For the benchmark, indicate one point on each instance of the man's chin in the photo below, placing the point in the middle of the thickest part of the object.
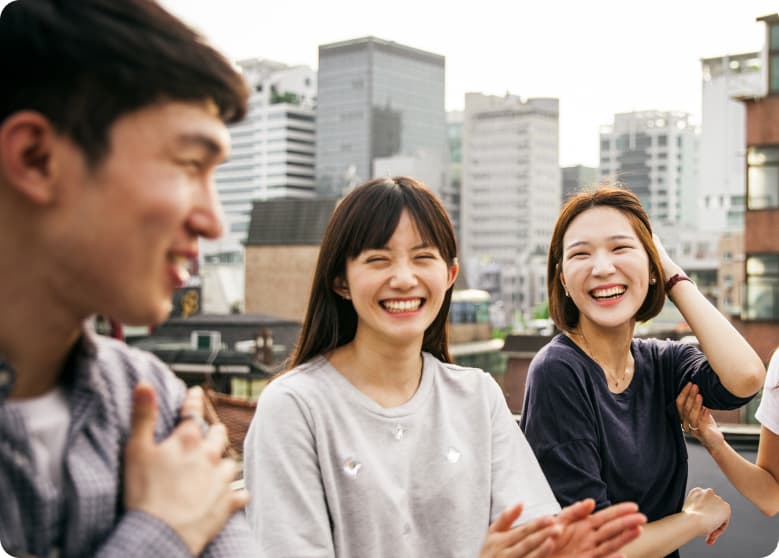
(152, 316)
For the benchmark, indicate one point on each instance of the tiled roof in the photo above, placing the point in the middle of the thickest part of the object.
(236, 413)
(289, 221)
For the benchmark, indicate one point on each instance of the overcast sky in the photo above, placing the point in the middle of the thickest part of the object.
(599, 57)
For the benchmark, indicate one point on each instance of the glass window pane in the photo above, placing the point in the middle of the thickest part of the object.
(762, 155)
(774, 40)
(763, 265)
(763, 187)
(762, 299)
(774, 62)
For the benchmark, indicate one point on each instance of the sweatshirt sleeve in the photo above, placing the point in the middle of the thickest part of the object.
(288, 511)
(516, 474)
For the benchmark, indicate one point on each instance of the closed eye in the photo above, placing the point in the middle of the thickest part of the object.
(193, 165)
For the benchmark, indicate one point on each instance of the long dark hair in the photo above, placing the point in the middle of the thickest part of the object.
(365, 219)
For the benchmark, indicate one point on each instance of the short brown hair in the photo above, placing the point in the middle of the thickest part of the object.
(562, 310)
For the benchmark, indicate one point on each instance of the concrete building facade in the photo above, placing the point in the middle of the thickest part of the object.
(510, 196)
(722, 176)
(273, 149)
(377, 99)
(655, 154)
(760, 301)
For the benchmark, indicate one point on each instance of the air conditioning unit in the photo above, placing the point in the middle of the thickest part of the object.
(206, 340)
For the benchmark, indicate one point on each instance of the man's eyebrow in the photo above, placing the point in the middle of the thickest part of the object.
(214, 148)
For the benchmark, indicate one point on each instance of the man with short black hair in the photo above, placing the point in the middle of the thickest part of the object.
(112, 120)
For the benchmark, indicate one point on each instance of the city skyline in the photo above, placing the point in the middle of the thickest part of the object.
(599, 58)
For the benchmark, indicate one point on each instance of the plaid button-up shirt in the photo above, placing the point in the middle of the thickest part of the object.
(86, 517)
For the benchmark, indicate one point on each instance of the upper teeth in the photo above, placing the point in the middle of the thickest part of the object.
(608, 292)
(401, 305)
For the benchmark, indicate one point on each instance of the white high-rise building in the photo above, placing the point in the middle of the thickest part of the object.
(510, 196)
(654, 153)
(722, 176)
(272, 149)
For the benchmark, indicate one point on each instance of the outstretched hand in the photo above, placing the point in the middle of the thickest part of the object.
(183, 481)
(574, 532)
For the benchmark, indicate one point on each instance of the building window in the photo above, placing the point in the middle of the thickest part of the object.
(773, 58)
(761, 296)
(762, 177)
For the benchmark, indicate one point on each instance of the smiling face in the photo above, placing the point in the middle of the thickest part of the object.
(397, 290)
(604, 268)
(123, 232)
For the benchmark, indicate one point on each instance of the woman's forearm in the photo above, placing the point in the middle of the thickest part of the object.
(755, 483)
(660, 538)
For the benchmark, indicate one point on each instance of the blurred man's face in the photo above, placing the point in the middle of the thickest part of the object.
(124, 232)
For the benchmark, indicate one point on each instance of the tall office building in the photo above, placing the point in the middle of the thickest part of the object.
(272, 151)
(655, 154)
(452, 190)
(510, 196)
(723, 136)
(378, 100)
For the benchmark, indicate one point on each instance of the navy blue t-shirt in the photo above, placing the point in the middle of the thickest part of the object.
(616, 447)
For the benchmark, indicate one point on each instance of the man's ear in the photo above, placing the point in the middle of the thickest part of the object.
(27, 142)
(341, 287)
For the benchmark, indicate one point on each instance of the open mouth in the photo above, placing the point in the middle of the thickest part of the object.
(180, 267)
(395, 306)
(609, 293)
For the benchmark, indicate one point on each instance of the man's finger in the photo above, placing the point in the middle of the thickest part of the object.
(144, 415)
(193, 402)
(216, 441)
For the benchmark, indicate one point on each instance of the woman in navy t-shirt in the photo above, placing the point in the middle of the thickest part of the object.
(599, 407)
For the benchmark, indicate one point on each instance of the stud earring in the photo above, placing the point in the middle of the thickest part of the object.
(566, 292)
(653, 280)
